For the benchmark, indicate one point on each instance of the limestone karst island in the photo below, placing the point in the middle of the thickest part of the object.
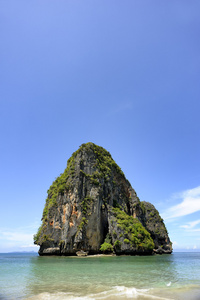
(92, 208)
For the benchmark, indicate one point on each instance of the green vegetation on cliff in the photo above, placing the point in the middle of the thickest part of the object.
(104, 163)
(134, 232)
(106, 248)
(37, 235)
(129, 231)
(40, 236)
(153, 218)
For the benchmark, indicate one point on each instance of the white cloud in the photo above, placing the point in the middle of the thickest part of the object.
(190, 203)
(190, 225)
(195, 230)
(30, 246)
(16, 236)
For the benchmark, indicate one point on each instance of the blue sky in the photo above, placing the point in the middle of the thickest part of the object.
(122, 74)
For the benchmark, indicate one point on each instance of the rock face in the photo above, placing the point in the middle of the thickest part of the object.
(92, 207)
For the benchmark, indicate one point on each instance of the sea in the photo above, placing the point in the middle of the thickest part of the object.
(29, 276)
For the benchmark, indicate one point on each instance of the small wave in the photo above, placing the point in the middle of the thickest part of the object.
(117, 292)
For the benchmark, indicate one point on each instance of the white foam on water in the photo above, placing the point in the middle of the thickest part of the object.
(134, 293)
(130, 292)
(58, 296)
(169, 284)
(117, 292)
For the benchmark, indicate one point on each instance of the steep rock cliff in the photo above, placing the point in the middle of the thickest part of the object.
(92, 207)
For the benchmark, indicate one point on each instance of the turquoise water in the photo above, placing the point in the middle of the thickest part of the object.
(28, 276)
